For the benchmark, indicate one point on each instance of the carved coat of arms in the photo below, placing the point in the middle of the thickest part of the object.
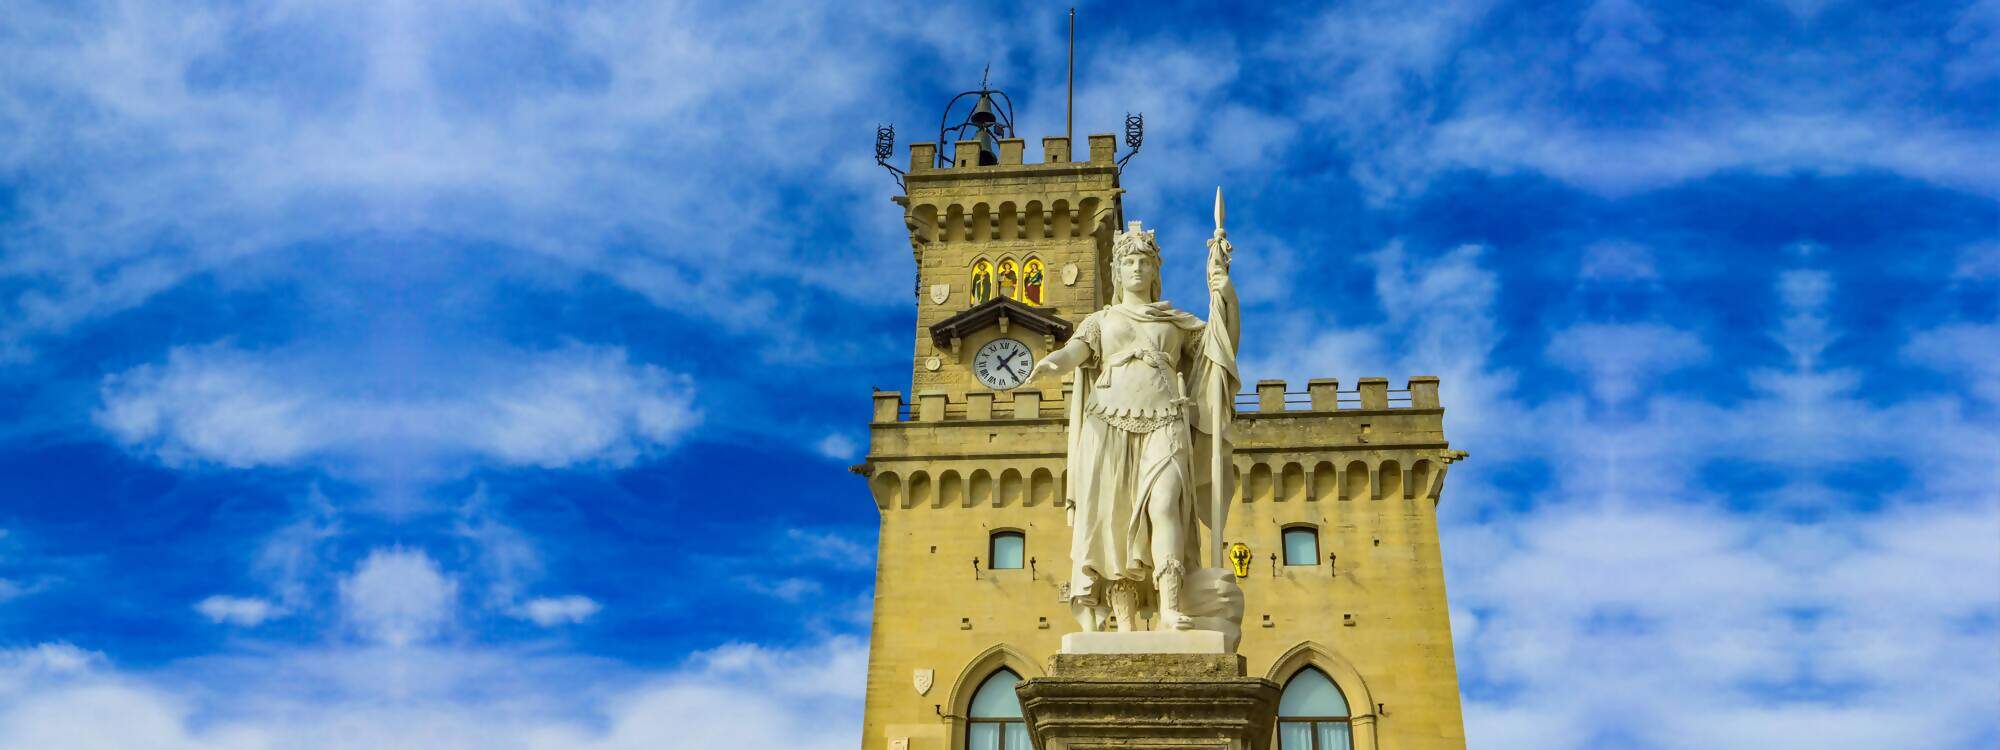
(940, 293)
(923, 679)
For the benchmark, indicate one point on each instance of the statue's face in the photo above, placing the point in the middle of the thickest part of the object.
(1136, 272)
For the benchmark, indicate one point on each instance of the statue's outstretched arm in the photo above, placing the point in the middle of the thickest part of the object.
(1060, 361)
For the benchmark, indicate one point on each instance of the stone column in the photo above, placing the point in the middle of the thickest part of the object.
(1156, 701)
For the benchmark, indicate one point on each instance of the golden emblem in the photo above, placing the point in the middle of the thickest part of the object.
(1239, 558)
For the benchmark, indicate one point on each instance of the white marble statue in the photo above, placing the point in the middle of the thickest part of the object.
(1149, 448)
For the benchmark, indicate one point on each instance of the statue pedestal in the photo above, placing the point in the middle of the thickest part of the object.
(1154, 701)
(1146, 642)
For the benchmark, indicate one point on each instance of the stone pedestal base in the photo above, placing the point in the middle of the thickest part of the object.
(1146, 642)
(1149, 702)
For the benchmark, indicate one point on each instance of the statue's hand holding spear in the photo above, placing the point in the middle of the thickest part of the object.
(1219, 251)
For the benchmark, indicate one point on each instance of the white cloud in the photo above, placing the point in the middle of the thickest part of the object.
(549, 612)
(208, 405)
(398, 597)
(236, 610)
(1799, 615)
(1969, 350)
(808, 697)
(175, 147)
(789, 589)
(584, 405)
(837, 446)
(549, 409)
(827, 547)
(1619, 358)
(1414, 91)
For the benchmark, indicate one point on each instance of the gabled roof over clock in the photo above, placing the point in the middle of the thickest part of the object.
(1002, 311)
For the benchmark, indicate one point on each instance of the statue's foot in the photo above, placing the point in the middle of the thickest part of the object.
(1125, 605)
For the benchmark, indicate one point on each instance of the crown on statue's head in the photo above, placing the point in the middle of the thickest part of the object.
(1134, 240)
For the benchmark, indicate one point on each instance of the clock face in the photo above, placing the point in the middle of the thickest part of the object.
(1003, 364)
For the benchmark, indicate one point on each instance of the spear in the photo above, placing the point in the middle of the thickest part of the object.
(1218, 465)
(1219, 213)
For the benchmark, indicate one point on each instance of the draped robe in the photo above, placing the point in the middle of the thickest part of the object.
(1156, 396)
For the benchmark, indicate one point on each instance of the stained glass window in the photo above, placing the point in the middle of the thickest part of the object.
(1008, 277)
(1033, 277)
(982, 282)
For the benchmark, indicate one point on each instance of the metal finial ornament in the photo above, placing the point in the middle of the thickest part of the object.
(887, 151)
(1135, 136)
(885, 142)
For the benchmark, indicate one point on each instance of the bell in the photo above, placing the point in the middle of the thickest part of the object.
(982, 113)
(986, 122)
(989, 148)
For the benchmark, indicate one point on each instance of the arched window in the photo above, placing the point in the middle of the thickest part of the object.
(994, 720)
(1301, 545)
(1312, 714)
(982, 282)
(1007, 550)
(1007, 278)
(1032, 278)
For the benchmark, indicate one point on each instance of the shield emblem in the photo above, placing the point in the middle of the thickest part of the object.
(1069, 272)
(923, 679)
(940, 293)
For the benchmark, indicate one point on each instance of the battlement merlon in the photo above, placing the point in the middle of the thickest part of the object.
(1269, 397)
(1011, 200)
(1055, 158)
(1393, 438)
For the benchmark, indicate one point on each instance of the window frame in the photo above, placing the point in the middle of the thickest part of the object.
(1287, 548)
(973, 721)
(993, 548)
(1312, 722)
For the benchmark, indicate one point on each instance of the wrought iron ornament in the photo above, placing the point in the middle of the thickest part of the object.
(885, 149)
(1135, 134)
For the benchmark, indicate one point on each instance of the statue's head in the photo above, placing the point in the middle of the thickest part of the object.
(1135, 263)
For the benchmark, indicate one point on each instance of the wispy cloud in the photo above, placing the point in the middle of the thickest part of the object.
(560, 610)
(236, 610)
(56, 695)
(547, 409)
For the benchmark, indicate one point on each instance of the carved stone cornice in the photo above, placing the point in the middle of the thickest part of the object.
(1004, 312)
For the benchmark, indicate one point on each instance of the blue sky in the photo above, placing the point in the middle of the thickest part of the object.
(485, 374)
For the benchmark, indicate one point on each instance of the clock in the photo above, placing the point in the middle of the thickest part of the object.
(1003, 364)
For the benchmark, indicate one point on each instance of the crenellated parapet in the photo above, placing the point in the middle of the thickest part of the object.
(1270, 397)
(1323, 443)
(1012, 200)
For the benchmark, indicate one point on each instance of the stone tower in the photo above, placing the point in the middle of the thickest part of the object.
(1336, 500)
